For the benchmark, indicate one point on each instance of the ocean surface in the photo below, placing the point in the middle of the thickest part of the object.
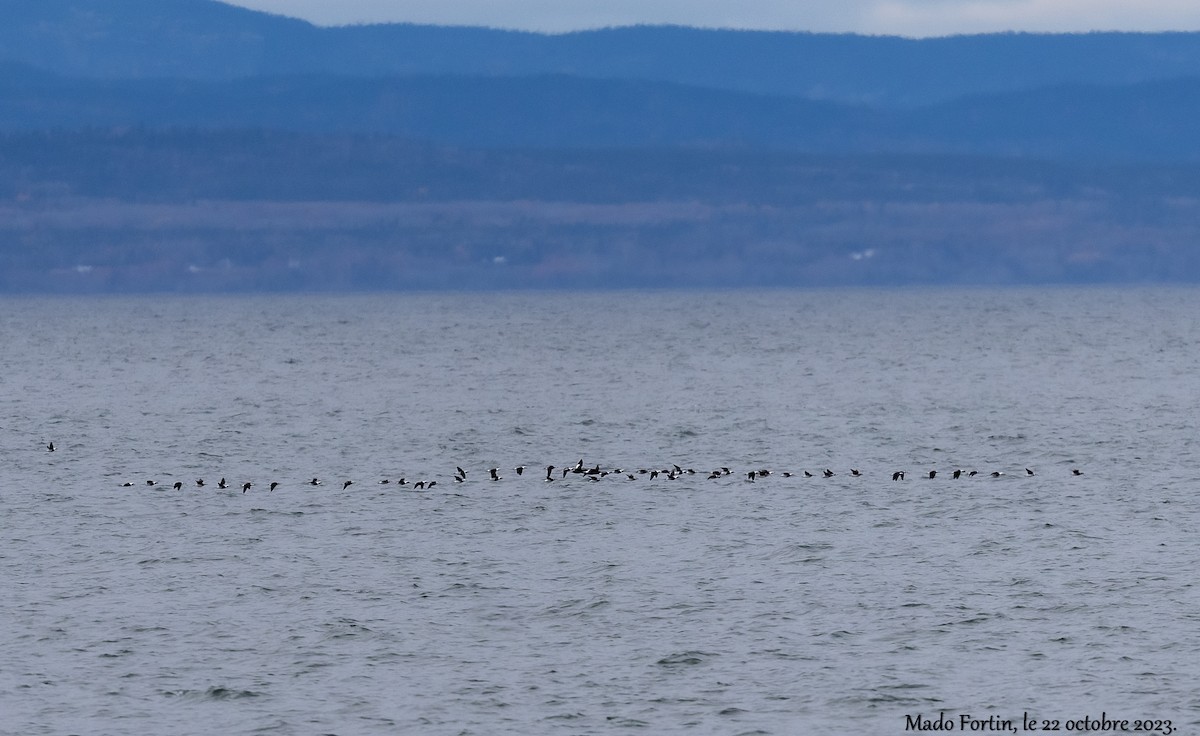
(600, 605)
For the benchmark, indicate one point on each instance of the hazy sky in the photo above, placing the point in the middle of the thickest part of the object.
(901, 17)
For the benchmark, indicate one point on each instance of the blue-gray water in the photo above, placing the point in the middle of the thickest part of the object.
(782, 606)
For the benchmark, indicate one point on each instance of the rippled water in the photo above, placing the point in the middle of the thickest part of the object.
(780, 606)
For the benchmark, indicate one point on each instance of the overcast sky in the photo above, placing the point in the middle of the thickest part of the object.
(900, 17)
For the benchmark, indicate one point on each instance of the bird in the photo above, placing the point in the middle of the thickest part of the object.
(996, 474)
(347, 484)
(933, 474)
(151, 482)
(178, 485)
(50, 447)
(807, 474)
(898, 475)
(828, 473)
(274, 485)
(495, 473)
(431, 484)
(549, 470)
(956, 474)
(520, 469)
(126, 484)
(222, 484)
(246, 486)
(459, 479)
(854, 472)
(462, 473)
(314, 482)
(384, 482)
(419, 484)
(199, 482)
(750, 476)
(1028, 471)
(1076, 471)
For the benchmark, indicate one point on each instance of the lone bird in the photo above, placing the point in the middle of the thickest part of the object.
(1076, 471)
(898, 475)
(347, 484)
(50, 447)
(1028, 471)
(274, 485)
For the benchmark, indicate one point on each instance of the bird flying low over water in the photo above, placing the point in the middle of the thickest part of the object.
(347, 484)
(274, 485)
(246, 486)
(50, 447)
(314, 482)
(222, 484)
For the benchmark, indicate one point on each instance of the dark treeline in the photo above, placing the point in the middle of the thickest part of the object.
(151, 165)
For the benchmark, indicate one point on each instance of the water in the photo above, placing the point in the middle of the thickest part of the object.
(782, 606)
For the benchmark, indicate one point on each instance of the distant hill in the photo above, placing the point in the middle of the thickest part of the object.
(203, 39)
(188, 145)
(1145, 121)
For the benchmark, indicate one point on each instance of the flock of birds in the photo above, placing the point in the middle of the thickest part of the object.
(595, 473)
